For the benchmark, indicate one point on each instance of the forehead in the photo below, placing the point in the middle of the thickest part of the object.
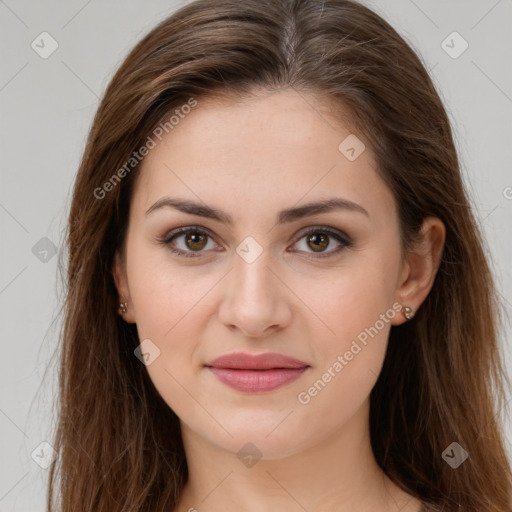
(267, 150)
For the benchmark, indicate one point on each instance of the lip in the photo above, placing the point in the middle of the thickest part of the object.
(256, 373)
(266, 361)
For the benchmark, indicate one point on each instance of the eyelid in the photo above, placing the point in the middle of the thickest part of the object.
(334, 232)
(185, 229)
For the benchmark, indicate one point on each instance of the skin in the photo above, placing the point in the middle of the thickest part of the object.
(251, 158)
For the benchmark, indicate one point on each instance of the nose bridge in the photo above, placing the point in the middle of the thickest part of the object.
(256, 300)
(253, 280)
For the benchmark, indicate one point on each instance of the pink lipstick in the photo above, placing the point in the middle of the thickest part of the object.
(256, 373)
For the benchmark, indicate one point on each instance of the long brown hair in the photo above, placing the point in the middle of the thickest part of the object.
(119, 443)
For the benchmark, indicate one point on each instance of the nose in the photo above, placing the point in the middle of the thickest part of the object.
(255, 300)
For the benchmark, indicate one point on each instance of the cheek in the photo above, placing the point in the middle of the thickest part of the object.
(170, 307)
(356, 309)
(351, 358)
(172, 315)
(350, 301)
(162, 293)
(167, 305)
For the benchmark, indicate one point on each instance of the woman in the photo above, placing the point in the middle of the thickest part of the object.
(278, 296)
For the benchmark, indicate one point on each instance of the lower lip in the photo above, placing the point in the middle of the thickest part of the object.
(255, 381)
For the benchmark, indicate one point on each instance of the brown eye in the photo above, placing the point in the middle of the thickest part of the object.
(318, 241)
(189, 241)
(196, 241)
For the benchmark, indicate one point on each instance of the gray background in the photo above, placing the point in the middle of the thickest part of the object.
(47, 107)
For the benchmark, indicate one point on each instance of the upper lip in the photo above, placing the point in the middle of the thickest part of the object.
(266, 361)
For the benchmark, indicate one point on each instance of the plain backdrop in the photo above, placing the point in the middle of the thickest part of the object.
(47, 105)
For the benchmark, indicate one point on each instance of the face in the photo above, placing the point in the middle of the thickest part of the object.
(266, 276)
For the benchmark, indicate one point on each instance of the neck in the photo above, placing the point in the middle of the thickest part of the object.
(339, 473)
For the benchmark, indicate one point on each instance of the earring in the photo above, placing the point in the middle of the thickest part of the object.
(123, 307)
(408, 312)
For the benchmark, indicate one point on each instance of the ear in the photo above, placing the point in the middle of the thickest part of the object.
(121, 282)
(420, 267)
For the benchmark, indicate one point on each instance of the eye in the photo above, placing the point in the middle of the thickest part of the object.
(194, 240)
(320, 238)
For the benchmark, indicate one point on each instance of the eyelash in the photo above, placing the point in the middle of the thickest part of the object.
(343, 239)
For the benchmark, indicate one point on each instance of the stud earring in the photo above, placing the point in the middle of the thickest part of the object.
(408, 312)
(123, 307)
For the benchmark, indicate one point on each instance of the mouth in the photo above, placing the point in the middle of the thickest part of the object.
(256, 373)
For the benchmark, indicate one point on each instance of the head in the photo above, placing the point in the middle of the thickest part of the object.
(259, 282)
(294, 103)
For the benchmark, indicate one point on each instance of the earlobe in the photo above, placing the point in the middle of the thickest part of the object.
(421, 265)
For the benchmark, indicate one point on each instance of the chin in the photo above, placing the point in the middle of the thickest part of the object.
(268, 439)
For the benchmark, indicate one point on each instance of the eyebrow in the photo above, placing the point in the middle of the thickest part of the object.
(284, 216)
